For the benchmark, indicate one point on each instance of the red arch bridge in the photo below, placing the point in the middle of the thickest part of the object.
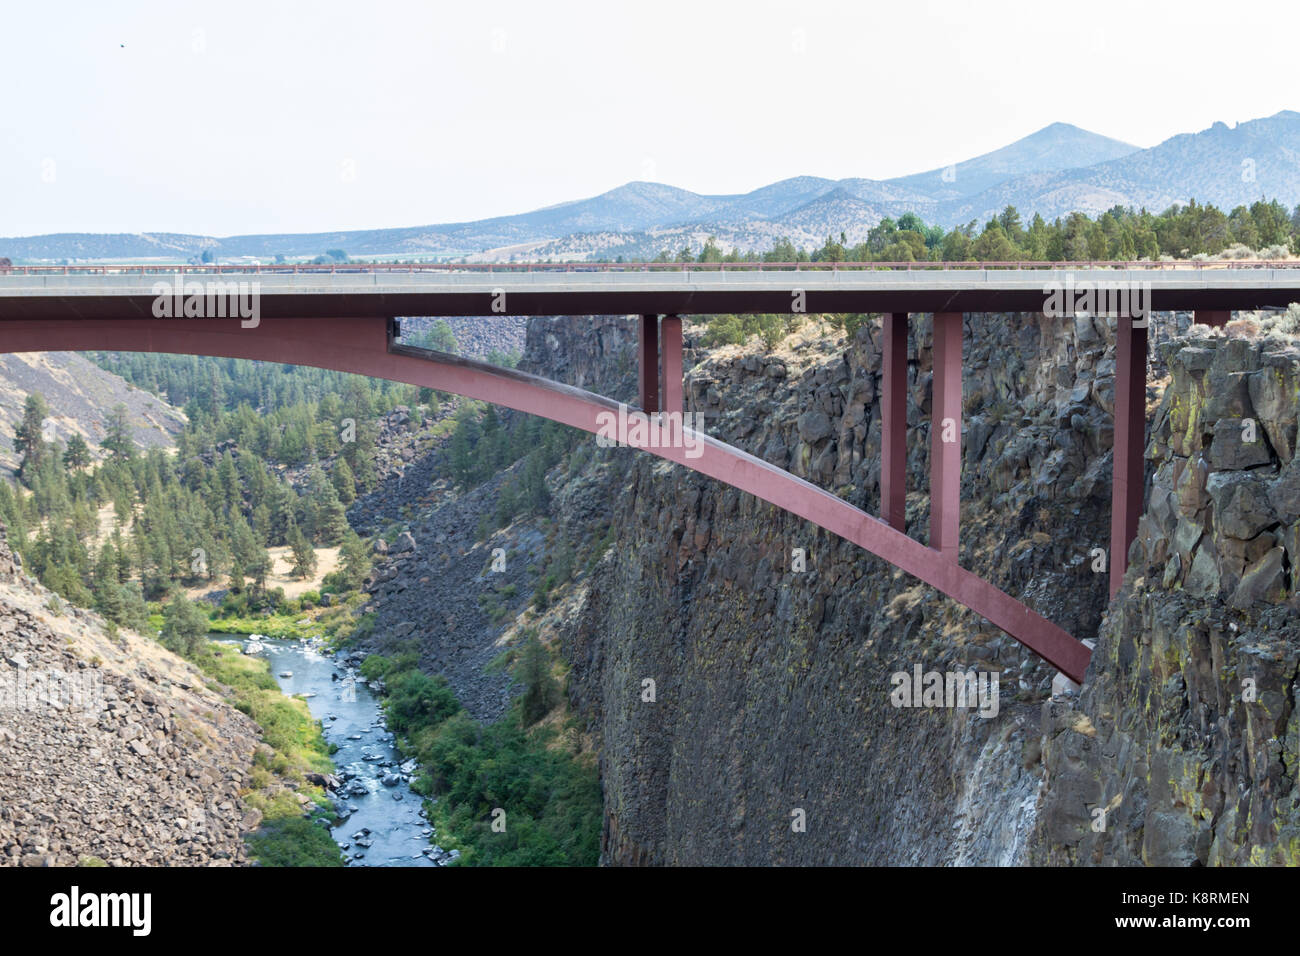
(343, 318)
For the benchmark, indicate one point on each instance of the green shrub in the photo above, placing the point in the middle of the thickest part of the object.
(294, 841)
(551, 794)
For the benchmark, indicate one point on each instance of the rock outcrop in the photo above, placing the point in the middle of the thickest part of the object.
(1184, 746)
(79, 394)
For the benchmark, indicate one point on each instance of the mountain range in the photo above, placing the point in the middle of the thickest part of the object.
(1055, 171)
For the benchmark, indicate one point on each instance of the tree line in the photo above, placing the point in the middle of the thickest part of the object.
(1184, 231)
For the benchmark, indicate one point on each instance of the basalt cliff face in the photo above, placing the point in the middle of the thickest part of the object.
(771, 737)
(1183, 747)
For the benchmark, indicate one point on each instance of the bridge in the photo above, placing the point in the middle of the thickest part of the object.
(346, 318)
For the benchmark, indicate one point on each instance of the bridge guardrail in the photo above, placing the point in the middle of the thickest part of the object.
(516, 267)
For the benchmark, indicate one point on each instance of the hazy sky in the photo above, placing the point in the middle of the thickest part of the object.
(238, 117)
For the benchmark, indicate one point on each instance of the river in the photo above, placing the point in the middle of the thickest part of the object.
(385, 824)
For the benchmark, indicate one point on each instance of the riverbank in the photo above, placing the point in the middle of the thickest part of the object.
(507, 793)
(380, 819)
(290, 808)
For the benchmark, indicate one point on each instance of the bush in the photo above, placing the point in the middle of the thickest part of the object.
(185, 627)
(737, 329)
(294, 841)
(415, 700)
(551, 794)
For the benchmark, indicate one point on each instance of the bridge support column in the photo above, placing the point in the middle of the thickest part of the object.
(670, 334)
(893, 420)
(945, 435)
(1129, 475)
(648, 363)
(1214, 318)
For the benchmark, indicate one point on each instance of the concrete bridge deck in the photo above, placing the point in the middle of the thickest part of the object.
(627, 289)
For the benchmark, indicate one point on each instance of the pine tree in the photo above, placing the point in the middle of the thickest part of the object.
(333, 522)
(110, 601)
(29, 436)
(258, 568)
(354, 558)
(77, 454)
(328, 516)
(184, 625)
(237, 576)
(535, 674)
(303, 554)
(344, 483)
(117, 434)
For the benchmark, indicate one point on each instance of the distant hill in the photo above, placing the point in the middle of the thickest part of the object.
(1055, 171)
(1225, 166)
(80, 395)
(1051, 149)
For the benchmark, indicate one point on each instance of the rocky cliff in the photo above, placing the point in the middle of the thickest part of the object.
(1184, 745)
(112, 749)
(771, 685)
(734, 665)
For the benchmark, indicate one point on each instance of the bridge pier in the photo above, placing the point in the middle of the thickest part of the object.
(945, 435)
(893, 420)
(1214, 318)
(660, 340)
(670, 336)
(648, 363)
(1128, 476)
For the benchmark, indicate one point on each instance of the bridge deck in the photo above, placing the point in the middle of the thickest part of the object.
(50, 293)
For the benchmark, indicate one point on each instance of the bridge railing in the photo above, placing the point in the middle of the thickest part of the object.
(517, 267)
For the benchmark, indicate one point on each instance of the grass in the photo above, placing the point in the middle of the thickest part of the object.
(292, 626)
(293, 747)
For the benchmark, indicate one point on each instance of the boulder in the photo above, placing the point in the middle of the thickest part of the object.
(1203, 576)
(1264, 581)
(1241, 505)
(1275, 395)
(326, 780)
(1229, 451)
(814, 425)
(1284, 494)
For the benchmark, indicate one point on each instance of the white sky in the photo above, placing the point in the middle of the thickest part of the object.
(238, 117)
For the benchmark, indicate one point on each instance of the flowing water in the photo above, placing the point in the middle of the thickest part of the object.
(385, 823)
